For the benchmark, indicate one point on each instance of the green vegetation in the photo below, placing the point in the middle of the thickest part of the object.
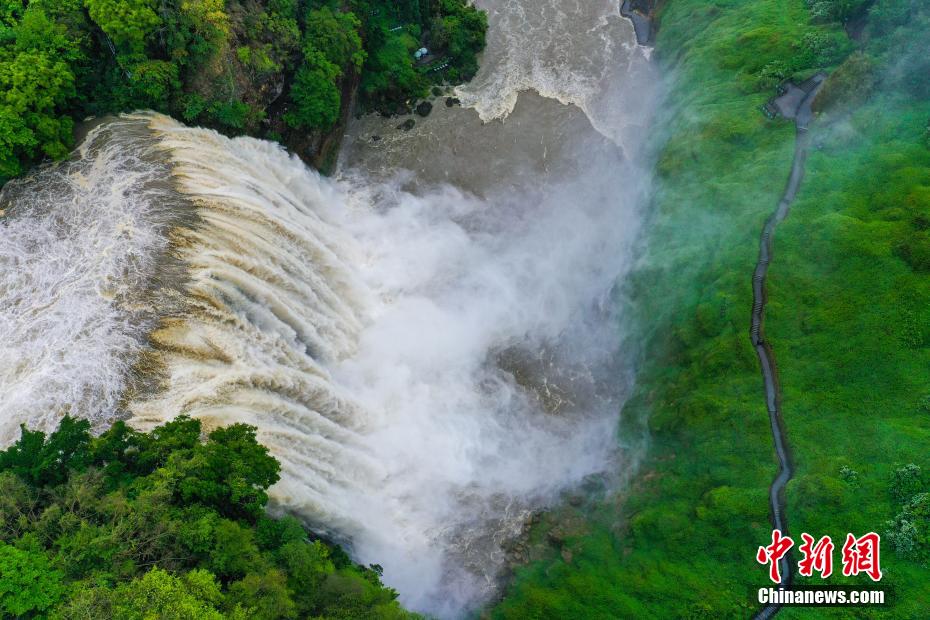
(837, 10)
(271, 68)
(850, 84)
(452, 30)
(847, 319)
(163, 525)
(909, 531)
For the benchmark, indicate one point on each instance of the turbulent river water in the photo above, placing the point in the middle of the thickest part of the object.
(430, 342)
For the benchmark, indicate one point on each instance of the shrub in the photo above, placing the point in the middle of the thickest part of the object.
(909, 531)
(906, 482)
(850, 85)
(836, 10)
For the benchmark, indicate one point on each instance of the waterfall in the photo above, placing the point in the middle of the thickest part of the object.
(431, 358)
(414, 361)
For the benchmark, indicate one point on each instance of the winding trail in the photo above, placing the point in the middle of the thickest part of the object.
(796, 104)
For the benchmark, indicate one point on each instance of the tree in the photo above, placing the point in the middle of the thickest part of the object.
(38, 33)
(233, 552)
(179, 436)
(336, 36)
(314, 96)
(466, 30)
(35, 83)
(161, 595)
(10, 12)
(128, 23)
(42, 462)
(28, 584)
(196, 31)
(33, 87)
(263, 596)
(909, 531)
(271, 534)
(886, 15)
(15, 139)
(835, 10)
(389, 74)
(906, 482)
(163, 525)
(153, 82)
(230, 473)
(307, 565)
(18, 506)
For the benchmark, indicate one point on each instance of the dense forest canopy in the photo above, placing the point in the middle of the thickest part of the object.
(261, 67)
(165, 524)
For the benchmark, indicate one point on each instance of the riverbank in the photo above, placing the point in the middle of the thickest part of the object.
(682, 541)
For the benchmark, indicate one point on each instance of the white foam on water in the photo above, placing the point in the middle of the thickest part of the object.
(578, 52)
(78, 247)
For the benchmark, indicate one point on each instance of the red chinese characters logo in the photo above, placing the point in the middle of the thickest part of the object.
(860, 555)
(773, 553)
(817, 557)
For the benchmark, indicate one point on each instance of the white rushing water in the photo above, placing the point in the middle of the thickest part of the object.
(578, 52)
(429, 361)
(79, 246)
(361, 329)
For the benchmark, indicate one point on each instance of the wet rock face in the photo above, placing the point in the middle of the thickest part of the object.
(643, 6)
(424, 108)
(641, 13)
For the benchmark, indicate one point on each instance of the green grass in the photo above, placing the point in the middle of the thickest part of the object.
(847, 318)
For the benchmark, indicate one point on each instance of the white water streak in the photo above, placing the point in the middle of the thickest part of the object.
(77, 249)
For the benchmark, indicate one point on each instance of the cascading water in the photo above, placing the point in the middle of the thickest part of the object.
(578, 52)
(431, 356)
(82, 263)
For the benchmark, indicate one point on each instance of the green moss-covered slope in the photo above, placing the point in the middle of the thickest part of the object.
(847, 318)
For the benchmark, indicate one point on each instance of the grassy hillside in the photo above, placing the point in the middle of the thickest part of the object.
(847, 319)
